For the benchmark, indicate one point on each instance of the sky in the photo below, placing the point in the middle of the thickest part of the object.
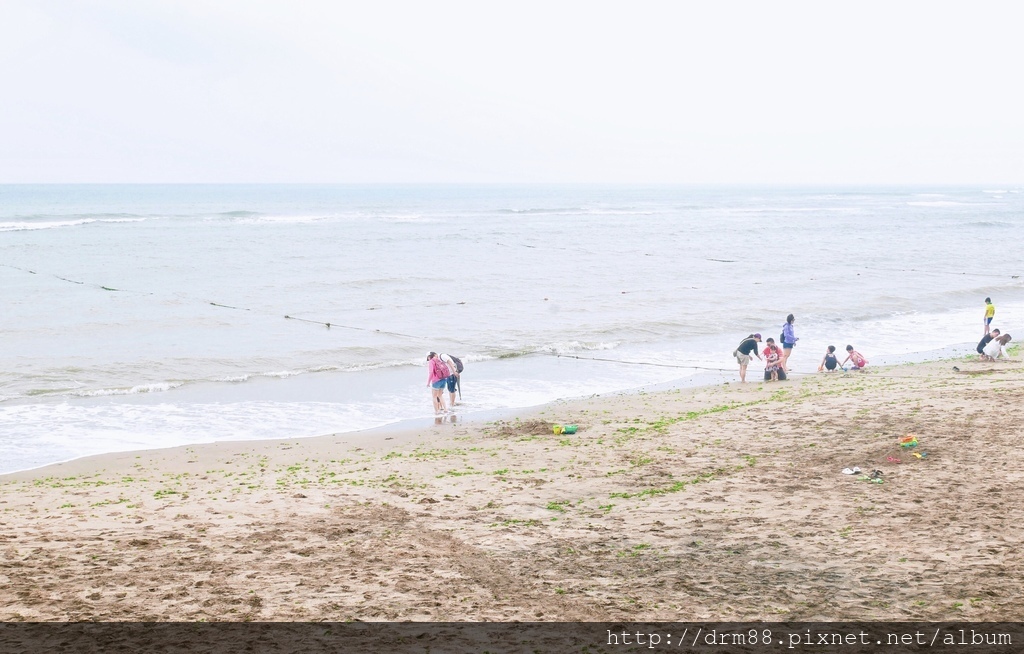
(97, 91)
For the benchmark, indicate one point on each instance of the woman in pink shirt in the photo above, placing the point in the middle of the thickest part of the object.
(437, 375)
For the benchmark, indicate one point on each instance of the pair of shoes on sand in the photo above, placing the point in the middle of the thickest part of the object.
(875, 477)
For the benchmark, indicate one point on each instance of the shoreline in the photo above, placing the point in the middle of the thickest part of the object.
(705, 377)
(715, 502)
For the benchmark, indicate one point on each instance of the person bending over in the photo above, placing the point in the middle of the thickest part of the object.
(855, 357)
(742, 353)
(996, 348)
(985, 340)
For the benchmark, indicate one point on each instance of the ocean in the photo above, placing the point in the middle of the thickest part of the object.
(142, 316)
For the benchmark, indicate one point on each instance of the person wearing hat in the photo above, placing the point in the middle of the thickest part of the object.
(742, 353)
(437, 378)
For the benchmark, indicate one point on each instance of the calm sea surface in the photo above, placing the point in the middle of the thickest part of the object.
(152, 316)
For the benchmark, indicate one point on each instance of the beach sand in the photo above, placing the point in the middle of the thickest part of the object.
(717, 503)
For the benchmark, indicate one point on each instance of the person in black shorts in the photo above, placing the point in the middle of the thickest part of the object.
(742, 353)
(986, 339)
(830, 362)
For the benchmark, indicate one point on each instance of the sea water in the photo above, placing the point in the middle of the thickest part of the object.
(152, 316)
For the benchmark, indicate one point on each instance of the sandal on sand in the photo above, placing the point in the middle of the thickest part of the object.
(892, 459)
(851, 471)
(876, 474)
(873, 480)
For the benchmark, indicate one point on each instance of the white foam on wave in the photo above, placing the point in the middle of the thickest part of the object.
(57, 224)
(952, 203)
(233, 379)
(283, 374)
(413, 219)
(279, 220)
(743, 211)
(568, 347)
(134, 390)
(38, 434)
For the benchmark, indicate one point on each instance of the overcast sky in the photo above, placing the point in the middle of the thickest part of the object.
(361, 91)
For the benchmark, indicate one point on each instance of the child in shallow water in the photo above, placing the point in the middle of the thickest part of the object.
(855, 357)
(831, 361)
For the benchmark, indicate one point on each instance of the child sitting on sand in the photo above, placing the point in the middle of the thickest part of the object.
(996, 348)
(831, 361)
(855, 357)
(772, 354)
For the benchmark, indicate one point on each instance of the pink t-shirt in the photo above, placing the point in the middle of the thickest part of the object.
(438, 370)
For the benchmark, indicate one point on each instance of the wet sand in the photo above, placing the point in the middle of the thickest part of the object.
(715, 503)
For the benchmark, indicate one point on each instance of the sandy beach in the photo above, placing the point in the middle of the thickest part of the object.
(715, 503)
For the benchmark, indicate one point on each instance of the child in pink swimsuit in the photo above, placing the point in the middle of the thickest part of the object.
(855, 357)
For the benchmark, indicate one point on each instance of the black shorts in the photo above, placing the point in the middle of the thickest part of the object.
(768, 375)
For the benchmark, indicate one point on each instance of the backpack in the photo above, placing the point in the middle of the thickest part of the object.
(440, 368)
(458, 363)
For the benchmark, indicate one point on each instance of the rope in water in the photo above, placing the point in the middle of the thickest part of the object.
(330, 325)
(636, 363)
(327, 324)
(75, 281)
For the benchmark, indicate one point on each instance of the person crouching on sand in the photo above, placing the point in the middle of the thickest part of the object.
(855, 357)
(772, 356)
(437, 379)
(996, 348)
(743, 351)
(985, 340)
(831, 361)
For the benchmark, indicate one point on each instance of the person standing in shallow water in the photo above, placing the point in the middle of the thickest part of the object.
(789, 339)
(437, 378)
(453, 379)
(990, 313)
